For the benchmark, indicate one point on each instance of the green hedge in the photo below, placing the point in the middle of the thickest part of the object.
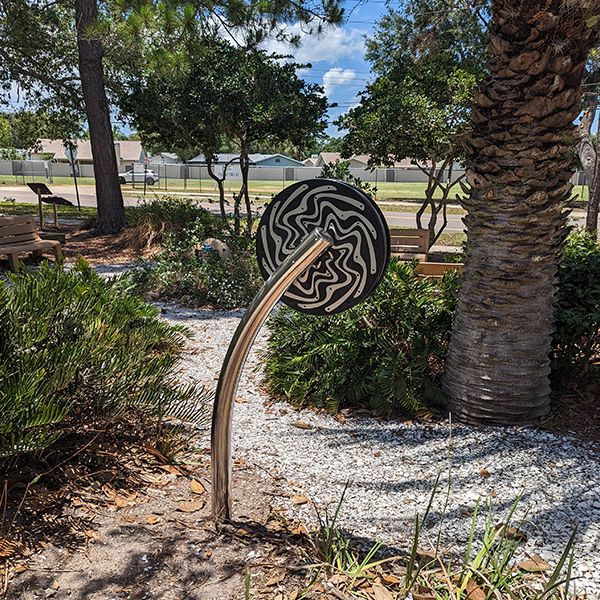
(77, 349)
(386, 353)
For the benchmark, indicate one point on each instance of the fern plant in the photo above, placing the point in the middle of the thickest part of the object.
(76, 349)
(387, 353)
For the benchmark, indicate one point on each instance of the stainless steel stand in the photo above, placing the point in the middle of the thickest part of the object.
(295, 264)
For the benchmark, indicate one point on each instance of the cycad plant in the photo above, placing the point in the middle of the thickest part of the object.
(387, 353)
(75, 349)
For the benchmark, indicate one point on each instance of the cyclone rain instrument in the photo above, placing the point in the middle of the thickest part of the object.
(322, 247)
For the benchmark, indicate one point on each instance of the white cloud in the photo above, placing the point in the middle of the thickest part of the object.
(333, 44)
(337, 76)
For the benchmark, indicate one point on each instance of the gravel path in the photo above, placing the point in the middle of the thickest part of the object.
(392, 466)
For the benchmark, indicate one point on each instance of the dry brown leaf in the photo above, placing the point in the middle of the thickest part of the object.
(388, 578)
(8, 548)
(20, 569)
(298, 500)
(197, 487)
(534, 564)
(484, 473)
(474, 592)
(380, 593)
(152, 519)
(421, 592)
(426, 554)
(173, 470)
(189, 507)
(301, 425)
(276, 578)
(377, 453)
(511, 533)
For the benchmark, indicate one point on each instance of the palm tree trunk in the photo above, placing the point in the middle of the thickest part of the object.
(111, 212)
(520, 161)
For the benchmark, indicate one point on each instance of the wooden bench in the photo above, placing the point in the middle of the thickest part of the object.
(433, 270)
(409, 244)
(19, 234)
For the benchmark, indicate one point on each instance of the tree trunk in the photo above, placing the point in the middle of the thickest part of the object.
(591, 218)
(590, 161)
(111, 212)
(245, 191)
(520, 161)
(219, 182)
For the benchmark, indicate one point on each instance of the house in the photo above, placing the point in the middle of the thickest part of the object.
(164, 158)
(256, 160)
(127, 152)
(357, 161)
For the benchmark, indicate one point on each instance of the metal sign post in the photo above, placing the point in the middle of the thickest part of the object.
(71, 155)
(322, 247)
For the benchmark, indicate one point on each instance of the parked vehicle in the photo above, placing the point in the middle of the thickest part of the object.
(134, 176)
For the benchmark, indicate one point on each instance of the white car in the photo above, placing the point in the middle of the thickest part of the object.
(132, 176)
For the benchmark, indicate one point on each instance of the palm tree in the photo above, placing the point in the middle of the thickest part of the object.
(520, 159)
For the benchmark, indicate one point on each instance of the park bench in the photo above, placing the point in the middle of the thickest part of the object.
(433, 270)
(409, 244)
(19, 234)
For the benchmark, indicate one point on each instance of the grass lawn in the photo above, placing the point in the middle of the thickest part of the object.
(386, 191)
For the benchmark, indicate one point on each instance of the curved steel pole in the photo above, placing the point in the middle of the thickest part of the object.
(309, 250)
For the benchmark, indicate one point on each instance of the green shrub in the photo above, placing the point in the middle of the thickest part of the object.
(76, 349)
(577, 337)
(168, 216)
(180, 274)
(386, 353)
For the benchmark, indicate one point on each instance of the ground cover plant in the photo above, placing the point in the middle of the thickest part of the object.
(78, 350)
(577, 338)
(189, 270)
(386, 353)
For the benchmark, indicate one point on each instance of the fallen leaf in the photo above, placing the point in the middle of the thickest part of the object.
(55, 585)
(390, 578)
(484, 473)
(299, 500)
(20, 569)
(420, 592)
(152, 519)
(534, 564)
(189, 507)
(208, 553)
(380, 593)
(301, 425)
(426, 554)
(197, 487)
(511, 533)
(474, 592)
(377, 453)
(275, 579)
(8, 547)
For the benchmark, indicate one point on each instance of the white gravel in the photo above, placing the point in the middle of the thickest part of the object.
(392, 466)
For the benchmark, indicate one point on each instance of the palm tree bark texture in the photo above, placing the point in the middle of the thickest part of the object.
(520, 158)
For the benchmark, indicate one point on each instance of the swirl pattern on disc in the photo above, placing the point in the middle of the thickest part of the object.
(351, 268)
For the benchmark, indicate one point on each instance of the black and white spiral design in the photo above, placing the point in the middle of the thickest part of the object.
(349, 270)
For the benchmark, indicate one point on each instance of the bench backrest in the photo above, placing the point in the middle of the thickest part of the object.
(407, 241)
(19, 229)
(434, 270)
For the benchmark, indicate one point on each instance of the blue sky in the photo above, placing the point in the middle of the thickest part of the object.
(337, 57)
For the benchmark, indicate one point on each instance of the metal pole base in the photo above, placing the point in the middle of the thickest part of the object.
(294, 265)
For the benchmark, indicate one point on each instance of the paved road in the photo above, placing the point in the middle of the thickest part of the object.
(88, 198)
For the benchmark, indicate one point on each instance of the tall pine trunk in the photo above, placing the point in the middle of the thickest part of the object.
(111, 212)
(520, 161)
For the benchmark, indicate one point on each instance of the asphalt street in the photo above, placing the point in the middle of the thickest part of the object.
(87, 197)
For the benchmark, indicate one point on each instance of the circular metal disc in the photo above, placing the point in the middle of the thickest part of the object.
(351, 268)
